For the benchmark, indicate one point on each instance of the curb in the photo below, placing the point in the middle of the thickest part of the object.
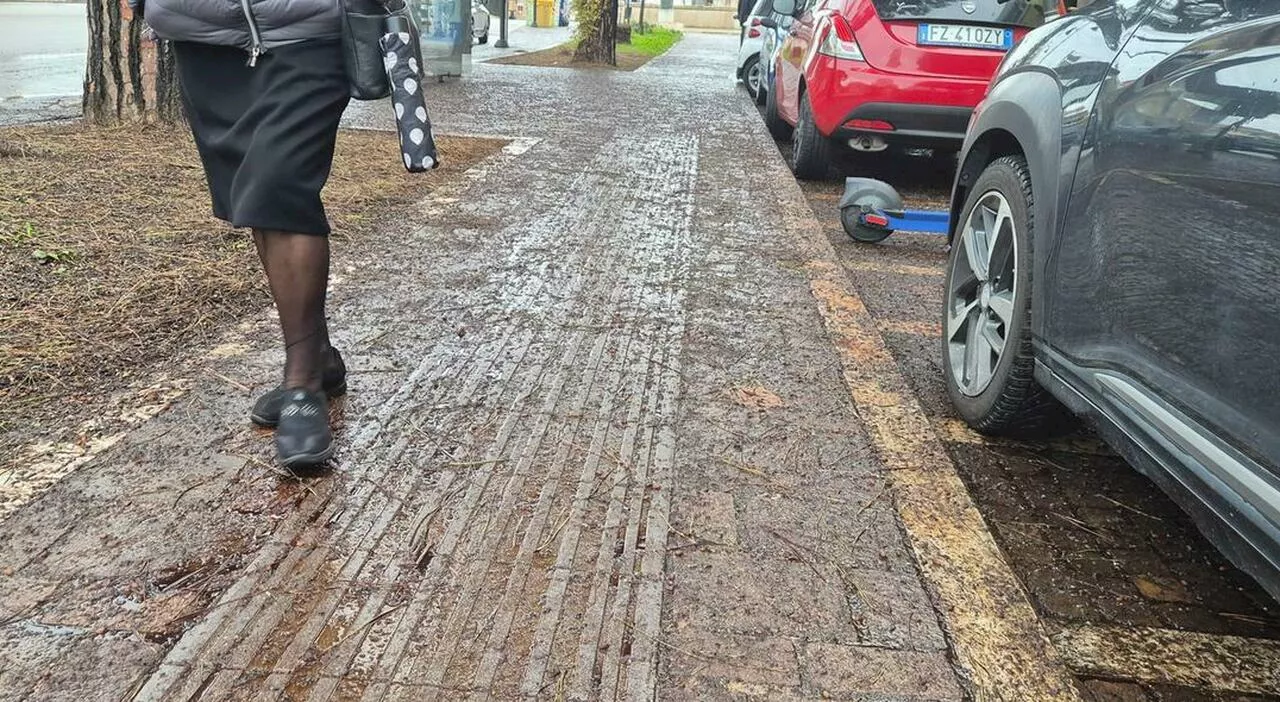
(998, 641)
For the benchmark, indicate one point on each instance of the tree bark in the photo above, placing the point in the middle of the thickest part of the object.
(128, 77)
(599, 34)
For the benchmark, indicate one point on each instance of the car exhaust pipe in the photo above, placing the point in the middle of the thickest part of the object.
(867, 142)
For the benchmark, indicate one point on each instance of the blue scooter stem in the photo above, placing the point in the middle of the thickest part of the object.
(923, 221)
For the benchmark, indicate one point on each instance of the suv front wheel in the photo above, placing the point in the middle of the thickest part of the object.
(986, 323)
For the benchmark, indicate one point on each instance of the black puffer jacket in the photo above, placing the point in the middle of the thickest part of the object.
(253, 25)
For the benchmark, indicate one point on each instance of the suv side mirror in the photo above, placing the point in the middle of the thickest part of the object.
(785, 7)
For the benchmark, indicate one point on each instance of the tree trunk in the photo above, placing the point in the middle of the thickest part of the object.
(128, 78)
(598, 34)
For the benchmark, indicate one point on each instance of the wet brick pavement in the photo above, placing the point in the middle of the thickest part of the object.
(598, 446)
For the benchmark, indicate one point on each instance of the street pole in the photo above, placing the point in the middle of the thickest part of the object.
(501, 43)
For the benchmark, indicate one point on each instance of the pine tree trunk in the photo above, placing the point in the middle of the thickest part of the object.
(598, 44)
(128, 78)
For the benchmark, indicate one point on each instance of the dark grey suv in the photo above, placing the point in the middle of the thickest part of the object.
(1116, 252)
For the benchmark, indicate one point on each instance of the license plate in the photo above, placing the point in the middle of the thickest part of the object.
(965, 35)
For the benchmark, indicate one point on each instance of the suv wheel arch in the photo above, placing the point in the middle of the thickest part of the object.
(1022, 114)
(992, 145)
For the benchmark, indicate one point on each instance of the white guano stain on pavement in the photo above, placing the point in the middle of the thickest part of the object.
(43, 464)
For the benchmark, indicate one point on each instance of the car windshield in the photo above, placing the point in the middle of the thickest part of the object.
(1025, 13)
(762, 8)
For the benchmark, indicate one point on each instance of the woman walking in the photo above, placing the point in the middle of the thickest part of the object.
(264, 86)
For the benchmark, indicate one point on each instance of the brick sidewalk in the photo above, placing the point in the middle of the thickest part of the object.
(598, 446)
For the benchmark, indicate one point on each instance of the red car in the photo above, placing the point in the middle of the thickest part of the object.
(877, 73)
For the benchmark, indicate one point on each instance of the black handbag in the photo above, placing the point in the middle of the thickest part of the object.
(364, 22)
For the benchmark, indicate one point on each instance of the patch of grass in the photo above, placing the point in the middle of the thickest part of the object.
(653, 42)
(642, 49)
(26, 232)
(111, 263)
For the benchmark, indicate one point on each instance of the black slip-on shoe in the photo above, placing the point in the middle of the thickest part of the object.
(266, 411)
(303, 437)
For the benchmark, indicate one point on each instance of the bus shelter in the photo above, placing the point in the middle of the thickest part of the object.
(445, 28)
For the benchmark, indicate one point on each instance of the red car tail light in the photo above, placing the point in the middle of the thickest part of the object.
(838, 42)
(843, 30)
(755, 32)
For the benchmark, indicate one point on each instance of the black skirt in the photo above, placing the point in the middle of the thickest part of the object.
(266, 134)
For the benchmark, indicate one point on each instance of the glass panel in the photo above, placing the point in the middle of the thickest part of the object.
(445, 29)
(1011, 12)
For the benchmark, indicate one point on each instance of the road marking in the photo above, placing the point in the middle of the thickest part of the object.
(928, 329)
(887, 268)
(997, 638)
(53, 57)
(42, 96)
(1187, 658)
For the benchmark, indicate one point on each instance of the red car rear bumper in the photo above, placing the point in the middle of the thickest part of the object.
(924, 111)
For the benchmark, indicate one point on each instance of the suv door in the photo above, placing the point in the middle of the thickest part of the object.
(1166, 294)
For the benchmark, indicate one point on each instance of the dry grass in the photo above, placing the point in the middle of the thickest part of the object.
(111, 262)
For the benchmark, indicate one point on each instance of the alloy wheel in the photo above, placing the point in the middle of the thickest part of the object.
(755, 77)
(981, 294)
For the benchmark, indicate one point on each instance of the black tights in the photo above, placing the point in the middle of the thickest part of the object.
(297, 267)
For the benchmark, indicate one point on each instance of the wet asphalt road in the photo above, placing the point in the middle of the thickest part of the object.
(1091, 539)
(42, 55)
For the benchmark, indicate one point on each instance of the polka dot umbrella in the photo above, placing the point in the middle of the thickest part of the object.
(402, 56)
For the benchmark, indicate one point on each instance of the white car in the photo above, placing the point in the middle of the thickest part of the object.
(480, 21)
(751, 67)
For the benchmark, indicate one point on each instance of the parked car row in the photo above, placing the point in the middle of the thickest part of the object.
(763, 31)
(869, 75)
(1113, 222)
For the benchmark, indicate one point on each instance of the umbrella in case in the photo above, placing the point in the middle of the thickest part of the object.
(402, 56)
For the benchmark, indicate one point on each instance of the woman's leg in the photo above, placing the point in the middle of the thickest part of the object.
(266, 409)
(262, 243)
(297, 267)
(266, 137)
(298, 271)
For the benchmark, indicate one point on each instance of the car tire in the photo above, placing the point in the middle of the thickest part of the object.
(753, 78)
(484, 38)
(987, 355)
(777, 126)
(811, 152)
